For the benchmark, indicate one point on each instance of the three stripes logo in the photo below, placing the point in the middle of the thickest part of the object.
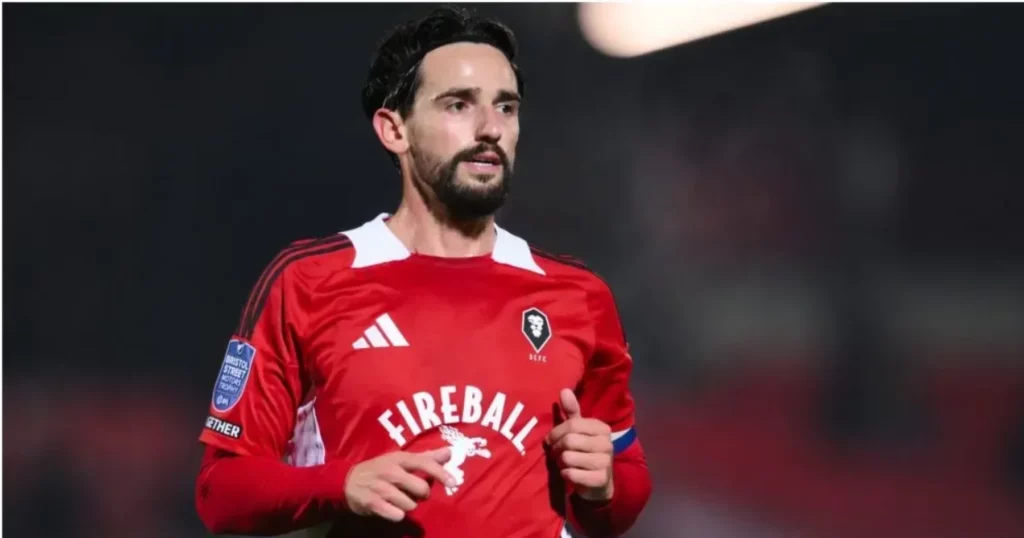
(383, 333)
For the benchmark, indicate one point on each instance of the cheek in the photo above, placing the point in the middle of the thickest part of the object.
(455, 134)
(442, 137)
(510, 140)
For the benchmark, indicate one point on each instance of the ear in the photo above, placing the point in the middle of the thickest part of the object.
(391, 131)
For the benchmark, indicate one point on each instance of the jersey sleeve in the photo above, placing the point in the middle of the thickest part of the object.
(604, 394)
(260, 384)
(604, 389)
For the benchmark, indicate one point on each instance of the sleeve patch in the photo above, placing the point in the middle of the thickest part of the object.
(223, 427)
(234, 372)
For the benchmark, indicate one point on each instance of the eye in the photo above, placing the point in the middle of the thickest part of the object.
(508, 109)
(457, 106)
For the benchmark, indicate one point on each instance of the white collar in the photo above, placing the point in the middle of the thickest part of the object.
(375, 243)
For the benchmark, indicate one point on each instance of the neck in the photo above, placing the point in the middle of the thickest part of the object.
(426, 230)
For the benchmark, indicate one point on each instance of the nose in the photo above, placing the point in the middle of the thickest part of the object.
(489, 125)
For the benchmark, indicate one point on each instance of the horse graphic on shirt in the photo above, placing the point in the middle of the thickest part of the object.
(462, 447)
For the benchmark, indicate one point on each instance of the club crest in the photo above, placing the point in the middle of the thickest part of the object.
(536, 328)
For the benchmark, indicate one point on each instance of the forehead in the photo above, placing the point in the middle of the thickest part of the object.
(466, 65)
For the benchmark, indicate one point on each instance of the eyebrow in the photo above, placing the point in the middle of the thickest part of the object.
(468, 94)
(505, 96)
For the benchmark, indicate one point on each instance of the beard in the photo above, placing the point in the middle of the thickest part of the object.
(462, 200)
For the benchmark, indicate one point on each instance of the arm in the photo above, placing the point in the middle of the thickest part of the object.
(253, 495)
(243, 486)
(604, 394)
(632, 483)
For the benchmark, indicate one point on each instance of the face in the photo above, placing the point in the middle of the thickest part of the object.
(464, 127)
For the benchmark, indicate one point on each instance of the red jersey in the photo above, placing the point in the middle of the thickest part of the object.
(351, 347)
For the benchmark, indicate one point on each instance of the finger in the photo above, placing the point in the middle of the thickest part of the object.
(428, 464)
(590, 426)
(579, 442)
(572, 441)
(586, 461)
(587, 479)
(587, 426)
(565, 428)
(441, 455)
(558, 432)
(394, 496)
(409, 483)
(570, 405)
(385, 510)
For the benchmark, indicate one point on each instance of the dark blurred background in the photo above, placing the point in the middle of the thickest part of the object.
(813, 227)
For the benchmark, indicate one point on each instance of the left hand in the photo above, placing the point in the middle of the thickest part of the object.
(584, 447)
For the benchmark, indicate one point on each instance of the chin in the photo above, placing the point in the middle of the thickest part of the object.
(481, 181)
(476, 201)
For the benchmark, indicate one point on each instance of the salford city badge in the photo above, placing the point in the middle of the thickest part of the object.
(536, 328)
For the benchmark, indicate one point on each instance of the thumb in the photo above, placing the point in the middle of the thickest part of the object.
(570, 405)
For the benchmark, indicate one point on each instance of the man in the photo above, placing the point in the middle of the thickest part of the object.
(428, 373)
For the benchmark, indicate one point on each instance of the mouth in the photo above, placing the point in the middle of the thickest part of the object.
(487, 161)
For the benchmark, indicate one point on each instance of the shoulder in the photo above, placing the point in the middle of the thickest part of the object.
(368, 244)
(574, 270)
(293, 268)
(600, 300)
(311, 257)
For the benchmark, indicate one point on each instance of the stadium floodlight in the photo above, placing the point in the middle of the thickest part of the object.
(626, 30)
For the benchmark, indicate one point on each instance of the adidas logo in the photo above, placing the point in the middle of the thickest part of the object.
(383, 333)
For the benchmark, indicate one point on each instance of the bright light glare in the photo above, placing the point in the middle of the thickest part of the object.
(633, 29)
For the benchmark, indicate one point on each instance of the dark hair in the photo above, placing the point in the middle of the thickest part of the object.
(394, 75)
